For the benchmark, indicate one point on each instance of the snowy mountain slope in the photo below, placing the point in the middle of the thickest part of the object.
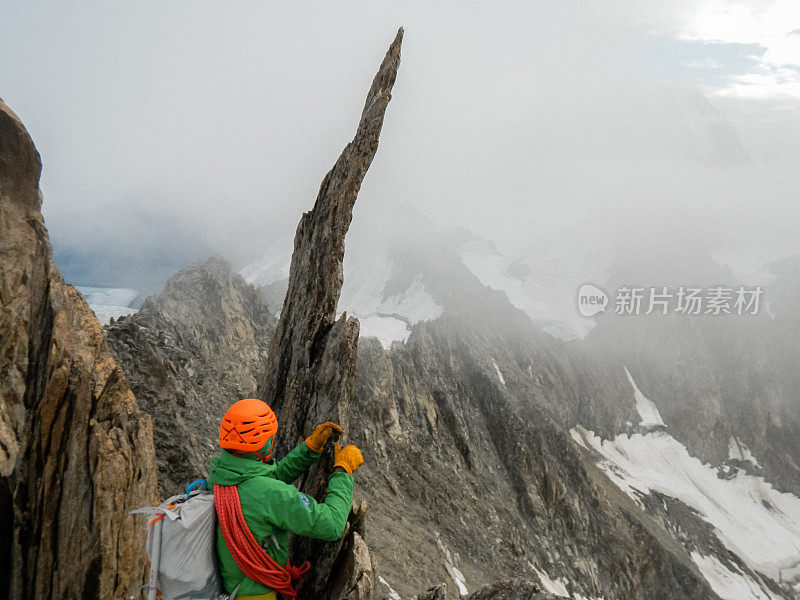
(715, 378)
(385, 280)
(390, 251)
(372, 292)
(748, 515)
(386, 307)
(272, 267)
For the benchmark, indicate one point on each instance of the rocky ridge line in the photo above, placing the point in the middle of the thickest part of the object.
(189, 353)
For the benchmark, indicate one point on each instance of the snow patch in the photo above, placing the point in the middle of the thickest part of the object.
(557, 587)
(107, 302)
(386, 329)
(366, 278)
(393, 595)
(389, 318)
(415, 303)
(729, 584)
(738, 451)
(750, 517)
(456, 575)
(543, 282)
(646, 408)
(499, 372)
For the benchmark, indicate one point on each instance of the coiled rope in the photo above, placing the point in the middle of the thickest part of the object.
(252, 559)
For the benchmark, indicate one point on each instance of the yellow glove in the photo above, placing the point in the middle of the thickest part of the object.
(348, 458)
(316, 441)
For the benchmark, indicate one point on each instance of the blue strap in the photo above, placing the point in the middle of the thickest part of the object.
(201, 483)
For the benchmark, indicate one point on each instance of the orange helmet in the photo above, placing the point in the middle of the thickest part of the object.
(248, 426)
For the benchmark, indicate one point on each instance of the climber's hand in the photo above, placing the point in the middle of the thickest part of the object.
(348, 458)
(316, 441)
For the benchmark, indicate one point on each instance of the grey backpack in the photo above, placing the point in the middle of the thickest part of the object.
(181, 548)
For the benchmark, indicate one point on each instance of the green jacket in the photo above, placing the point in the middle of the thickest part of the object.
(273, 507)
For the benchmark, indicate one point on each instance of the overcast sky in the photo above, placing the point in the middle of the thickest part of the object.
(169, 131)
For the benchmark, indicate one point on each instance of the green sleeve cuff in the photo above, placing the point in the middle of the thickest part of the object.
(310, 452)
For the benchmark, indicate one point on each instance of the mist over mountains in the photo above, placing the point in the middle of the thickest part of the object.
(614, 161)
(522, 440)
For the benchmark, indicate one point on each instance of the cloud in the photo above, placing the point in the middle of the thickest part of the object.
(771, 82)
(770, 25)
(182, 130)
(703, 63)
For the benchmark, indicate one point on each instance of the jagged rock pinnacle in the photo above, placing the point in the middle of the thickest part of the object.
(312, 362)
(315, 280)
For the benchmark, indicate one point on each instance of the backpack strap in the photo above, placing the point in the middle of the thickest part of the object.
(232, 595)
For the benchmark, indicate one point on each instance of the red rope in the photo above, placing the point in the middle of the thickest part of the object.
(252, 559)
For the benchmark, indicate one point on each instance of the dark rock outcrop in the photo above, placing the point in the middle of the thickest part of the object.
(511, 589)
(515, 589)
(312, 360)
(189, 353)
(438, 592)
(76, 453)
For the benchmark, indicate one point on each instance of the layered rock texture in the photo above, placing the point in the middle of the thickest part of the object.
(76, 453)
(512, 589)
(189, 353)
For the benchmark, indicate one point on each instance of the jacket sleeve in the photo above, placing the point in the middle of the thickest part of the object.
(290, 509)
(294, 464)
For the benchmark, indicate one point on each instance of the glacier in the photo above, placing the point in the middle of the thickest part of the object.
(108, 302)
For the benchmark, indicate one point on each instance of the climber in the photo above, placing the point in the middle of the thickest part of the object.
(271, 506)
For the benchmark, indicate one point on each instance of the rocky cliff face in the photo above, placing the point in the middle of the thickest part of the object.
(189, 353)
(514, 589)
(76, 453)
